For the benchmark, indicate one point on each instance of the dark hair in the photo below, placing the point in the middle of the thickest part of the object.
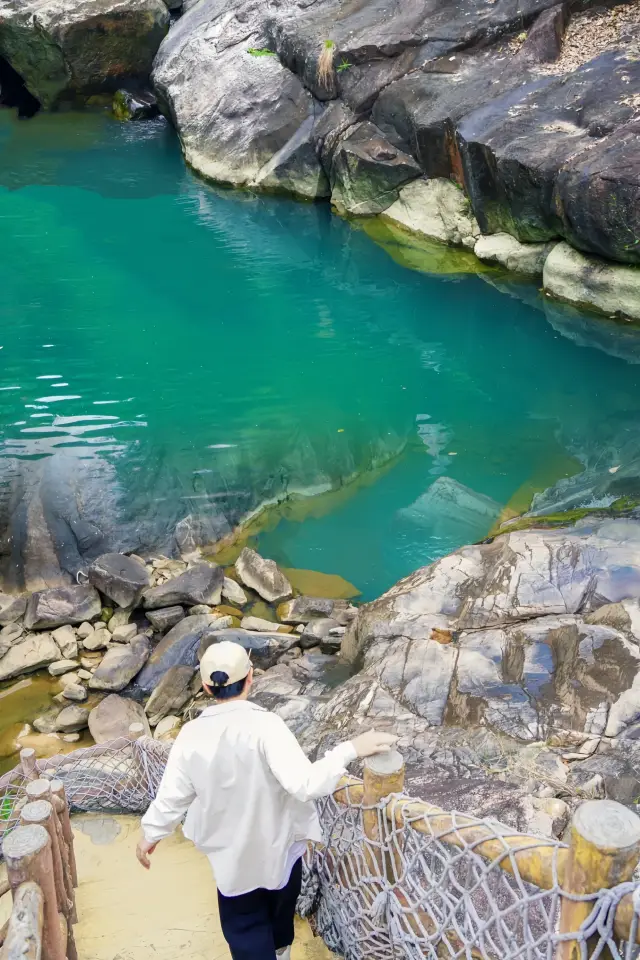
(222, 692)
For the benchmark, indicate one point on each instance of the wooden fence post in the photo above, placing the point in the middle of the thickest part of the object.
(41, 812)
(27, 853)
(136, 730)
(383, 774)
(24, 936)
(604, 848)
(28, 763)
(58, 791)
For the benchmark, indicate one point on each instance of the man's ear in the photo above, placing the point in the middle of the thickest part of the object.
(207, 688)
(250, 679)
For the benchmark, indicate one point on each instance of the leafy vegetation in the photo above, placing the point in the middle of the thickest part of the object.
(343, 65)
(263, 52)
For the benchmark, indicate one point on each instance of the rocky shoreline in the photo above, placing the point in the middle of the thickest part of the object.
(509, 669)
(507, 129)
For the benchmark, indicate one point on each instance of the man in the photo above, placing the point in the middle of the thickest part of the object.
(249, 791)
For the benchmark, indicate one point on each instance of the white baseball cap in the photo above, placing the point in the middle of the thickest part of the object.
(225, 657)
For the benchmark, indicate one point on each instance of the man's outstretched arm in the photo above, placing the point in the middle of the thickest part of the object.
(175, 796)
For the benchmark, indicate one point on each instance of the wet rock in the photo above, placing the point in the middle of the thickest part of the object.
(437, 209)
(304, 609)
(11, 608)
(121, 664)
(168, 729)
(265, 649)
(72, 719)
(200, 609)
(61, 49)
(178, 648)
(125, 633)
(163, 619)
(233, 593)
(75, 691)
(171, 694)
(31, 653)
(134, 106)
(527, 259)
(201, 583)
(257, 624)
(120, 578)
(367, 172)
(62, 605)
(113, 716)
(58, 667)
(263, 576)
(590, 282)
(67, 641)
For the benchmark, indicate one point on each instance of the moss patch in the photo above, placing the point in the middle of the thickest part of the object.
(418, 253)
(566, 518)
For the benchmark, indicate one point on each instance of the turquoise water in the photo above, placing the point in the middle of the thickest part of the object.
(198, 350)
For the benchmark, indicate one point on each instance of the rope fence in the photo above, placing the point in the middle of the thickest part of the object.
(395, 877)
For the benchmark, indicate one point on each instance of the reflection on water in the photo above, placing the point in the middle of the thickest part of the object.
(169, 350)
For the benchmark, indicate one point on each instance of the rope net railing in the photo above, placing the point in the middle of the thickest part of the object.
(400, 878)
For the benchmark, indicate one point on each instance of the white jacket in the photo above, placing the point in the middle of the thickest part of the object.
(248, 788)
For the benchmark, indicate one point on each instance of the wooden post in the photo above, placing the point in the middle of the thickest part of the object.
(136, 730)
(57, 790)
(383, 775)
(24, 936)
(604, 848)
(28, 763)
(27, 853)
(41, 812)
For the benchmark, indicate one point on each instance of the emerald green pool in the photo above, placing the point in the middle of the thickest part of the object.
(179, 343)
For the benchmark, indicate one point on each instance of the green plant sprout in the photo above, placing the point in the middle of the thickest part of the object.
(255, 52)
(343, 65)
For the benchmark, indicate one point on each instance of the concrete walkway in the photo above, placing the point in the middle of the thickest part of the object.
(167, 913)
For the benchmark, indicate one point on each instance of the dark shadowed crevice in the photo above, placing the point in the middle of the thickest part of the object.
(13, 92)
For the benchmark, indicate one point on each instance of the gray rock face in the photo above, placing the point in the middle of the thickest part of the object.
(113, 716)
(165, 618)
(527, 259)
(437, 209)
(592, 282)
(120, 578)
(233, 593)
(171, 694)
(304, 609)
(11, 608)
(202, 583)
(120, 665)
(178, 648)
(263, 576)
(47, 609)
(28, 654)
(61, 49)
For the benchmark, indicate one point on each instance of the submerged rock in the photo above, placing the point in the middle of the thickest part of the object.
(120, 578)
(452, 511)
(201, 583)
(62, 50)
(593, 283)
(62, 605)
(263, 576)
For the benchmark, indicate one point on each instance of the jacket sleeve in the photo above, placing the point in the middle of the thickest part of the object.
(175, 795)
(295, 772)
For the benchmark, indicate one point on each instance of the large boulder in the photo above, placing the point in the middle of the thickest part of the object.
(171, 694)
(47, 609)
(592, 282)
(113, 716)
(178, 648)
(72, 719)
(62, 50)
(265, 648)
(201, 583)
(165, 618)
(28, 654)
(303, 609)
(242, 117)
(120, 578)
(120, 665)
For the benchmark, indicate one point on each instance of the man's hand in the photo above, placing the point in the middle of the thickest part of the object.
(369, 743)
(144, 851)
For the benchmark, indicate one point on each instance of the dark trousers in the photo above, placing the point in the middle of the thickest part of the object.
(258, 923)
